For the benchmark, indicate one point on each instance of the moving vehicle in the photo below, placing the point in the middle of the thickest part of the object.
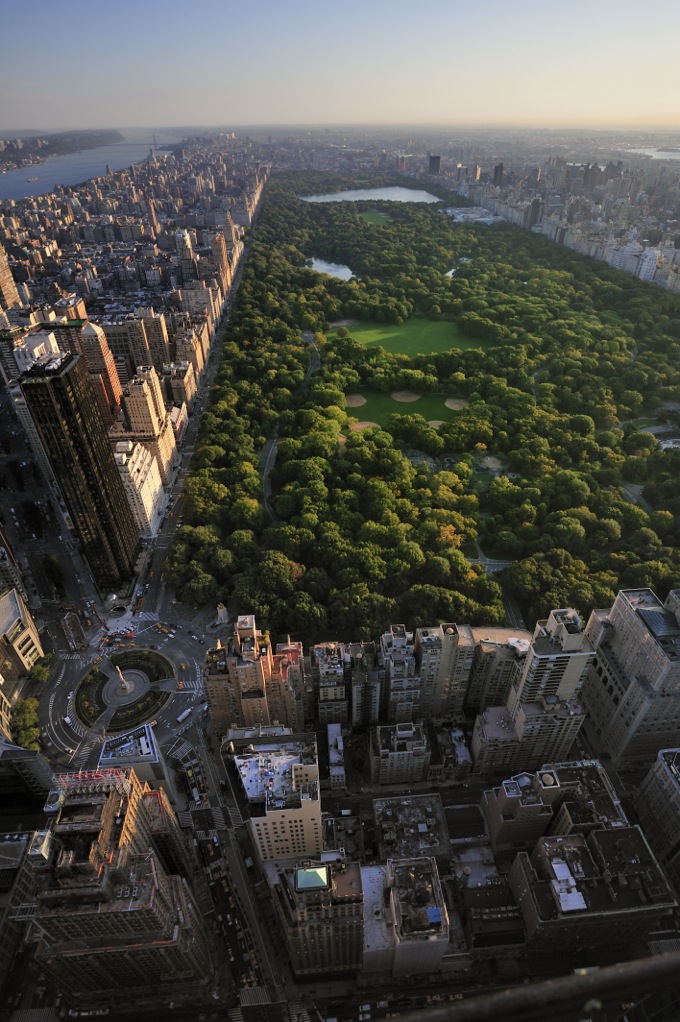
(184, 714)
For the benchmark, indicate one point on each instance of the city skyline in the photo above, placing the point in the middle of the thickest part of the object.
(367, 64)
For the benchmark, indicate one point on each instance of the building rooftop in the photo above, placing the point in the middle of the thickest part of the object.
(312, 878)
(10, 611)
(277, 773)
(670, 758)
(414, 825)
(418, 903)
(591, 795)
(492, 914)
(138, 746)
(340, 879)
(377, 934)
(136, 894)
(50, 364)
(609, 871)
(12, 848)
(400, 737)
(515, 638)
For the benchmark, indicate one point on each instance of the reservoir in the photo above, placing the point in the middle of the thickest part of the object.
(334, 269)
(658, 154)
(74, 168)
(394, 194)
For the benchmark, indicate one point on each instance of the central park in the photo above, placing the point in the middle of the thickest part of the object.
(468, 386)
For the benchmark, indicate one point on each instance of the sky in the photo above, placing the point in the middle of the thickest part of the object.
(161, 63)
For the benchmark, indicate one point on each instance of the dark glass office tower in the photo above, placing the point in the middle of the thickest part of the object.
(64, 407)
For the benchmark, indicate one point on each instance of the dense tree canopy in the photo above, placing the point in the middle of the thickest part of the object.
(570, 354)
(24, 723)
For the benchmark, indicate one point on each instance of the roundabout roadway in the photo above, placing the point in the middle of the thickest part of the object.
(72, 746)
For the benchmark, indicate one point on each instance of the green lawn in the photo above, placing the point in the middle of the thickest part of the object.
(378, 406)
(415, 337)
(373, 216)
(483, 478)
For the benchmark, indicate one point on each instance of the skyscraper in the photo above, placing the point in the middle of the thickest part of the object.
(444, 656)
(249, 684)
(65, 410)
(94, 347)
(434, 164)
(543, 714)
(110, 923)
(146, 420)
(632, 692)
(321, 911)
(9, 295)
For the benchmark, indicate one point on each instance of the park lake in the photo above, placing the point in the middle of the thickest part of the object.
(393, 194)
(333, 269)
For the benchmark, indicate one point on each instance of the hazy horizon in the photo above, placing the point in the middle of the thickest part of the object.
(341, 125)
(440, 64)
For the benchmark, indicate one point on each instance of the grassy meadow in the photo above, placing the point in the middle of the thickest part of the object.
(373, 216)
(415, 337)
(379, 406)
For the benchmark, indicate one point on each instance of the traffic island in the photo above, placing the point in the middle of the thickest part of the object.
(126, 692)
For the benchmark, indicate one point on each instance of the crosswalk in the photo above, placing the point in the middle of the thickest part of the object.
(234, 816)
(84, 753)
(297, 1012)
(180, 749)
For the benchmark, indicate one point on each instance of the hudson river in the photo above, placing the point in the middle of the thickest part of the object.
(75, 168)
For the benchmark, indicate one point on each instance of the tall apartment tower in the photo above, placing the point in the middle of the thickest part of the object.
(153, 219)
(320, 906)
(401, 699)
(143, 405)
(444, 656)
(632, 692)
(93, 346)
(146, 420)
(329, 662)
(156, 331)
(143, 486)
(367, 679)
(186, 256)
(221, 260)
(657, 801)
(128, 341)
(64, 408)
(286, 686)
(249, 685)
(111, 924)
(9, 295)
(496, 666)
(24, 772)
(249, 665)
(543, 714)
